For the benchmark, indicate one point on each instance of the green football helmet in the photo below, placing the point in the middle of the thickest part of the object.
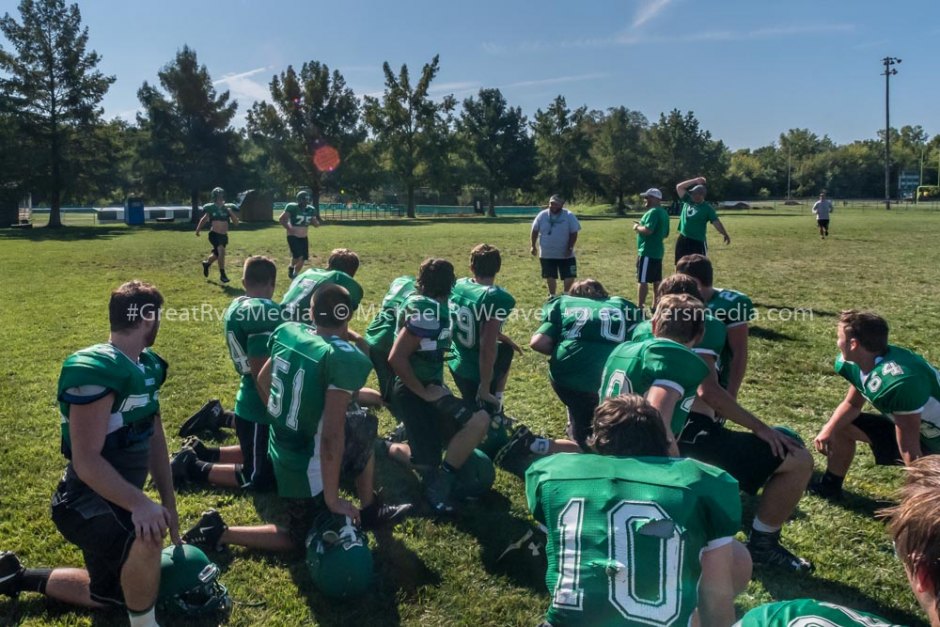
(303, 196)
(217, 193)
(497, 436)
(339, 561)
(475, 477)
(189, 583)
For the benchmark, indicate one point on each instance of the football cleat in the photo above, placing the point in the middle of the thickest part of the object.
(209, 418)
(766, 550)
(198, 447)
(223, 277)
(378, 515)
(207, 532)
(439, 493)
(398, 434)
(205, 268)
(828, 491)
(181, 466)
(290, 272)
(516, 455)
(11, 572)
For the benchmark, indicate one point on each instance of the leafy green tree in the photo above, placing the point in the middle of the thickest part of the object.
(562, 148)
(54, 85)
(497, 144)
(407, 125)
(679, 149)
(619, 153)
(192, 145)
(311, 128)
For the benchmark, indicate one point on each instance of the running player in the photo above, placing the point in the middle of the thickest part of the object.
(296, 219)
(249, 322)
(578, 331)
(310, 379)
(635, 537)
(217, 214)
(900, 384)
(341, 267)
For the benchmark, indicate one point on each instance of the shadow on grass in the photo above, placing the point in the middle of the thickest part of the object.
(816, 312)
(65, 234)
(769, 334)
(859, 503)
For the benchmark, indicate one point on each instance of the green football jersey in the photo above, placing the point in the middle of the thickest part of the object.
(734, 309)
(809, 613)
(304, 366)
(585, 331)
(471, 306)
(429, 320)
(380, 334)
(694, 219)
(606, 566)
(297, 299)
(657, 220)
(217, 213)
(902, 382)
(94, 372)
(635, 367)
(249, 323)
(712, 344)
(301, 216)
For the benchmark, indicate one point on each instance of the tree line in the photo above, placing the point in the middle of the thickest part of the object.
(404, 146)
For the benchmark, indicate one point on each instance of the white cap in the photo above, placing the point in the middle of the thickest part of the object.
(652, 192)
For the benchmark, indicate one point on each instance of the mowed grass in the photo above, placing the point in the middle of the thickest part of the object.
(54, 288)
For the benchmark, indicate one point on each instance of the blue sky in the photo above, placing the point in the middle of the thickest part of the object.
(749, 69)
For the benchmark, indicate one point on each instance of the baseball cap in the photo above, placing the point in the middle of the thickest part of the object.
(556, 199)
(652, 192)
(698, 188)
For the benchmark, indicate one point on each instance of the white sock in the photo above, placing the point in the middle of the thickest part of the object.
(540, 446)
(762, 527)
(148, 619)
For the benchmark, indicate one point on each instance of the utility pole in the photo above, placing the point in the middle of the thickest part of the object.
(888, 62)
(788, 170)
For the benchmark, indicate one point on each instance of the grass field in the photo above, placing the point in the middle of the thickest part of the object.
(53, 295)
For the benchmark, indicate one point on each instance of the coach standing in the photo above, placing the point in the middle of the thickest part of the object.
(694, 219)
(651, 230)
(556, 231)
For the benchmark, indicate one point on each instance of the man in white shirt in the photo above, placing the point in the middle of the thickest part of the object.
(556, 230)
(821, 210)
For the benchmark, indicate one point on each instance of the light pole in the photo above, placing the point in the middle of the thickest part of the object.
(788, 170)
(888, 62)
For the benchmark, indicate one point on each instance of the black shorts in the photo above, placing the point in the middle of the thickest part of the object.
(383, 372)
(468, 388)
(823, 223)
(429, 429)
(883, 435)
(741, 454)
(581, 406)
(360, 431)
(217, 240)
(104, 532)
(256, 465)
(687, 246)
(649, 270)
(559, 268)
(299, 247)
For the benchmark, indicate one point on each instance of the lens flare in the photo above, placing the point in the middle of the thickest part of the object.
(326, 158)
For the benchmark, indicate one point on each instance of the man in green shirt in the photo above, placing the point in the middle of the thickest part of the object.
(248, 324)
(899, 383)
(636, 537)
(341, 267)
(112, 436)
(296, 219)
(310, 379)
(579, 330)
(651, 230)
(694, 219)
(217, 214)
(418, 396)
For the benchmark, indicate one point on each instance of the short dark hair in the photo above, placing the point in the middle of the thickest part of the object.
(870, 329)
(680, 318)
(485, 260)
(627, 425)
(259, 271)
(331, 306)
(344, 260)
(588, 288)
(679, 283)
(436, 278)
(132, 303)
(698, 267)
(915, 521)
